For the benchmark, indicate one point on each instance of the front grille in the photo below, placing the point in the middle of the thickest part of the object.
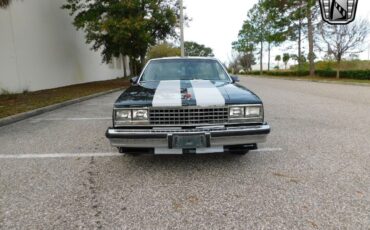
(188, 116)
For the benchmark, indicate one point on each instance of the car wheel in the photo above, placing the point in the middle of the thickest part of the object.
(132, 154)
(122, 151)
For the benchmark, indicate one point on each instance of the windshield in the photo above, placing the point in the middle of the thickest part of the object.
(184, 69)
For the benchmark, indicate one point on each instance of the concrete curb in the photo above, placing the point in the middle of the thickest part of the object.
(308, 80)
(22, 116)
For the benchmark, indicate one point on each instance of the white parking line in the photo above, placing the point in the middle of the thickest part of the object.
(268, 150)
(58, 155)
(70, 119)
(82, 155)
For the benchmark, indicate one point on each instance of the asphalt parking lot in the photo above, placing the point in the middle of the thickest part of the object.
(58, 171)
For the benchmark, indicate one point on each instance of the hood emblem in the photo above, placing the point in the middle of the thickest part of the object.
(186, 95)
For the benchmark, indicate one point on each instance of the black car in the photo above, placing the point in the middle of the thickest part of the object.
(187, 105)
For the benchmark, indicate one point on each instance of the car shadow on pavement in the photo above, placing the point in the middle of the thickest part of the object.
(173, 162)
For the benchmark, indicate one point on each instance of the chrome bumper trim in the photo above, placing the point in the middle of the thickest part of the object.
(159, 138)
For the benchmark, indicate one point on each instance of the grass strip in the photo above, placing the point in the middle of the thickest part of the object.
(11, 104)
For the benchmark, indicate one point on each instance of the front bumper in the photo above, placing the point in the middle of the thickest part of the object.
(159, 138)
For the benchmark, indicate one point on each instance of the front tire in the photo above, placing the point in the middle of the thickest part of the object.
(124, 151)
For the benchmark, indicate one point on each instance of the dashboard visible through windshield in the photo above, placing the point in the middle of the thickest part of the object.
(184, 69)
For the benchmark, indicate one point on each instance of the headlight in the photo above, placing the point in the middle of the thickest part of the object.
(130, 116)
(123, 115)
(140, 114)
(246, 112)
(236, 112)
(253, 111)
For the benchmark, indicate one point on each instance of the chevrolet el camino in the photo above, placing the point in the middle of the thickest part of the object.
(187, 106)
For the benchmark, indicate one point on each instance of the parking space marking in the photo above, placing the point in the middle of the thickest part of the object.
(70, 119)
(82, 155)
(58, 155)
(268, 150)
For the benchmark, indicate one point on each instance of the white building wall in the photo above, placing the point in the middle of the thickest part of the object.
(40, 49)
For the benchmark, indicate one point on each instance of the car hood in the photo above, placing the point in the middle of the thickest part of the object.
(186, 93)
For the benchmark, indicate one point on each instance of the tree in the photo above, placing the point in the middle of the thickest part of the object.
(242, 62)
(194, 49)
(257, 21)
(124, 27)
(310, 14)
(247, 61)
(278, 59)
(274, 30)
(163, 50)
(297, 16)
(272, 38)
(344, 39)
(294, 57)
(245, 46)
(258, 29)
(252, 33)
(246, 40)
(286, 58)
(234, 66)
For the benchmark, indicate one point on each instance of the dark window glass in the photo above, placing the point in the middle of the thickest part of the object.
(184, 69)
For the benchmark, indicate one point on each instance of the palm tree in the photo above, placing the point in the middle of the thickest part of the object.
(286, 58)
(278, 59)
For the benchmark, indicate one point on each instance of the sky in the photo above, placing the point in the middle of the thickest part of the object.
(216, 24)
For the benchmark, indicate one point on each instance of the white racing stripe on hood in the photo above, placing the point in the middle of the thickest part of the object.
(207, 94)
(168, 94)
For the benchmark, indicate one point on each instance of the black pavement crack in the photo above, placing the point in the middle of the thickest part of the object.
(95, 205)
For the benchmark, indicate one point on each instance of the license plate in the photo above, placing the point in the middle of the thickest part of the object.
(189, 141)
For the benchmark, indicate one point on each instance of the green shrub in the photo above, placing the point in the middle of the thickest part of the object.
(326, 73)
(346, 74)
(332, 65)
(356, 74)
(254, 72)
(280, 73)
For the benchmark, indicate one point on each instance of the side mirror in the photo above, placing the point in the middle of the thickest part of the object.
(134, 80)
(235, 79)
